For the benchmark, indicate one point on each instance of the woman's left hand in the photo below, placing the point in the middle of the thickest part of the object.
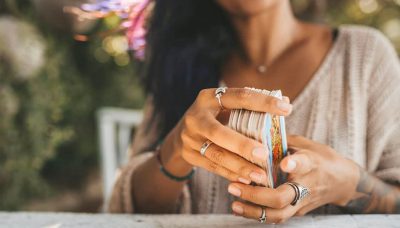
(329, 177)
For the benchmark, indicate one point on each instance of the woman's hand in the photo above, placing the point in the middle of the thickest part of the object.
(230, 153)
(329, 177)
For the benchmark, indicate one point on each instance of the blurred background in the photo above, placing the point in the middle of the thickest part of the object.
(52, 83)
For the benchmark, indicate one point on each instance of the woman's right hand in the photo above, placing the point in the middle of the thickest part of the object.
(232, 155)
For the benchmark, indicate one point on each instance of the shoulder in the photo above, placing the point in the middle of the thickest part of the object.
(362, 31)
(367, 52)
(367, 42)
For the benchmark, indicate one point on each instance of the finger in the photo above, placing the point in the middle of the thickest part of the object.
(286, 99)
(299, 163)
(297, 141)
(254, 212)
(197, 159)
(245, 169)
(307, 208)
(236, 146)
(273, 198)
(231, 140)
(242, 98)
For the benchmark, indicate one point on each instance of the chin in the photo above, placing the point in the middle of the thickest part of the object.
(247, 7)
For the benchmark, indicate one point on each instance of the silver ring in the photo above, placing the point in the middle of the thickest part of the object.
(218, 94)
(263, 217)
(204, 147)
(301, 192)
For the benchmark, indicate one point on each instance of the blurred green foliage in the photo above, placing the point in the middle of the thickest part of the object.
(50, 88)
(51, 85)
(381, 14)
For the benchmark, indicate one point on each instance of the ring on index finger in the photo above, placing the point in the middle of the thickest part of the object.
(218, 94)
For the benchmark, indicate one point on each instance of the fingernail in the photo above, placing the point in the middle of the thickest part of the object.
(291, 165)
(284, 106)
(234, 191)
(286, 99)
(256, 177)
(237, 209)
(260, 153)
(244, 181)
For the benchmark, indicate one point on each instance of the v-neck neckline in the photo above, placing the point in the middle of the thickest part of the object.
(319, 73)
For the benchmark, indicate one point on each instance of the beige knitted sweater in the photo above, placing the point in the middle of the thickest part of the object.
(352, 104)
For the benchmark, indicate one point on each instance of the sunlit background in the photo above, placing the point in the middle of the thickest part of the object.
(57, 68)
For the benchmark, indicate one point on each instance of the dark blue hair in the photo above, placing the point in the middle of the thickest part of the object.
(187, 43)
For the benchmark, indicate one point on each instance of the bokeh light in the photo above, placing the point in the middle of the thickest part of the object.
(368, 6)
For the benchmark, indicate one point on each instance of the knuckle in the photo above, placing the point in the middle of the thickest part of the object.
(280, 201)
(231, 175)
(184, 137)
(311, 163)
(270, 101)
(281, 217)
(243, 147)
(212, 167)
(244, 170)
(203, 92)
(212, 130)
(203, 95)
(216, 155)
(252, 196)
(189, 120)
(244, 94)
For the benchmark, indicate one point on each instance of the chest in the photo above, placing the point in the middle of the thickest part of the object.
(289, 73)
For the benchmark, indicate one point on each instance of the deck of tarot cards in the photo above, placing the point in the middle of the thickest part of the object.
(267, 129)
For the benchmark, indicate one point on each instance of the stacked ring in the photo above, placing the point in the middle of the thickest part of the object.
(301, 192)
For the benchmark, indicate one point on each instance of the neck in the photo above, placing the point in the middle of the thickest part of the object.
(265, 36)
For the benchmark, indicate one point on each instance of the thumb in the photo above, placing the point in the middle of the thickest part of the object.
(299, 163)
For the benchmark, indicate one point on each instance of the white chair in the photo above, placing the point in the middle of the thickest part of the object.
(114, 126)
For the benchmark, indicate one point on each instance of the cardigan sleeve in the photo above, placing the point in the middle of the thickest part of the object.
(141, 150)
(383, 131)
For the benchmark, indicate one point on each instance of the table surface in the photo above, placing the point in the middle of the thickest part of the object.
(60, 220)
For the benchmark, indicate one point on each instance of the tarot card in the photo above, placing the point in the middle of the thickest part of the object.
(267, 129)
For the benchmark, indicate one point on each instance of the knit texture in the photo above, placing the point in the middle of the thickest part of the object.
(352, 104)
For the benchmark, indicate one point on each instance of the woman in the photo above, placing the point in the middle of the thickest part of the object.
(343, 84)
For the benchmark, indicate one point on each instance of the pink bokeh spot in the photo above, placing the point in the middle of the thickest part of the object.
(134, 11)
(136, 33)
